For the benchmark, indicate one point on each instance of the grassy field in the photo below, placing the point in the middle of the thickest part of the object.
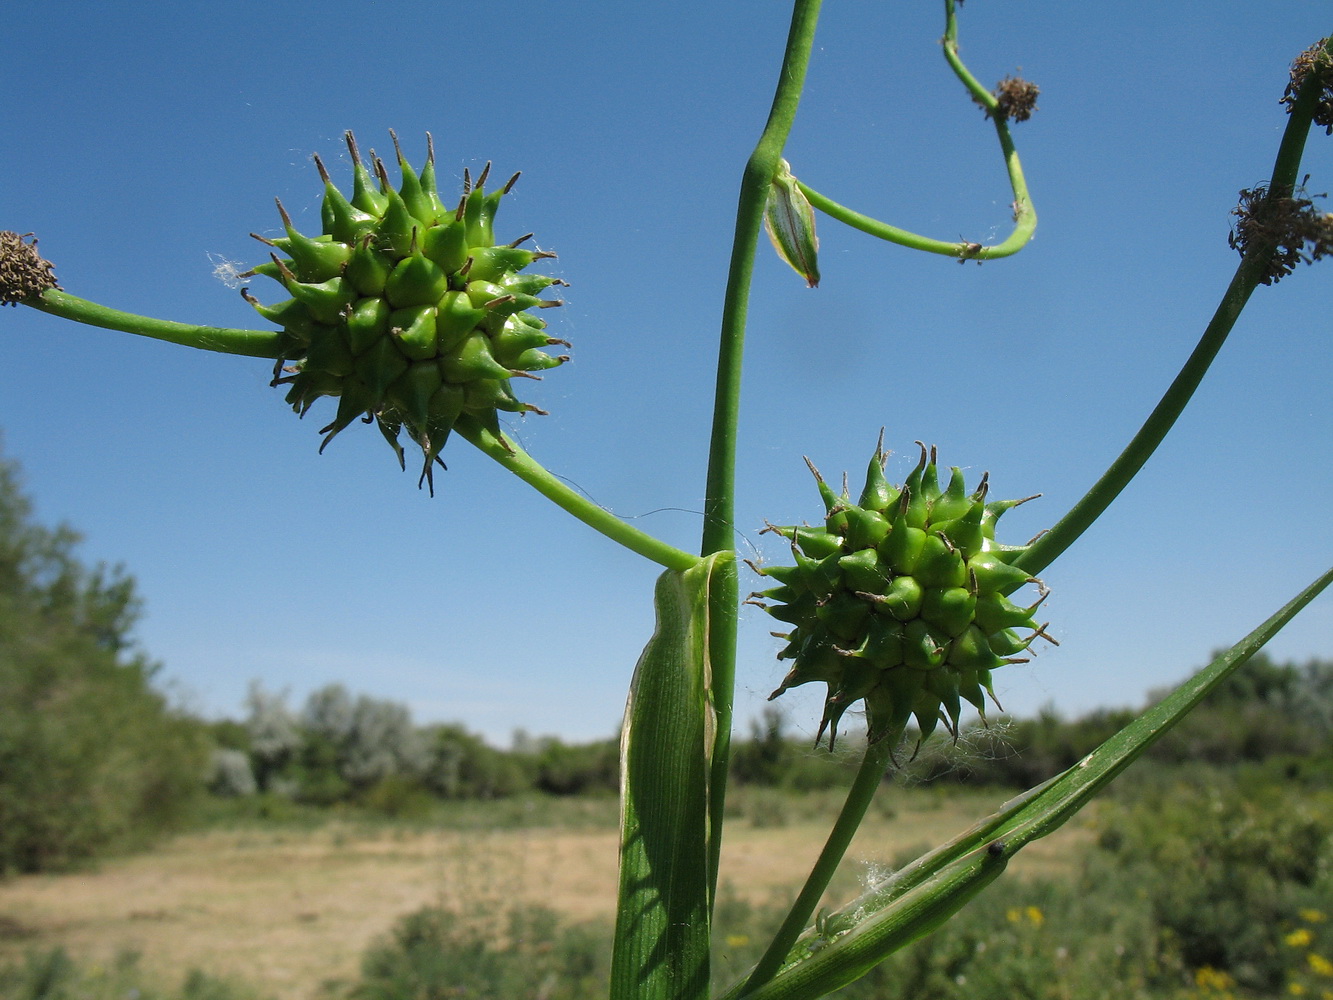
(290, 908)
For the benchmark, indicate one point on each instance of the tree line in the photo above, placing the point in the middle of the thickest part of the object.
(93, 756)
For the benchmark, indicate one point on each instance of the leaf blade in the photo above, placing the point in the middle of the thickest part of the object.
(662, 919)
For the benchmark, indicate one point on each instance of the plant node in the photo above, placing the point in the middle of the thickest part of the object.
(24, 273)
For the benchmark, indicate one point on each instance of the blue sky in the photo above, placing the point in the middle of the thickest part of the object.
(144, 143)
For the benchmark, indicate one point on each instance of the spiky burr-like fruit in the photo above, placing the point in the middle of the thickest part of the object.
(405, 309)
(900, 600)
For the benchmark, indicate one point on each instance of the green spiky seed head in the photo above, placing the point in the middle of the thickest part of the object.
(405, 309)
(900, 599)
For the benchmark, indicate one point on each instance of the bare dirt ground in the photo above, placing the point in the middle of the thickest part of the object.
(291, 910)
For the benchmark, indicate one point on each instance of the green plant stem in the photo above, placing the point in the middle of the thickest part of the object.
(271, 344)
(250, 343)
(720, 488)
(878, 756)
(1025, 216)
(525, 467)
(1253, 266)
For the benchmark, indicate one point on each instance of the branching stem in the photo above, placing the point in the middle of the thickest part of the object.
(720, 490)
(878, 757)
(526, 468)
(250, 343)
(1025, 216)
(1253, 266)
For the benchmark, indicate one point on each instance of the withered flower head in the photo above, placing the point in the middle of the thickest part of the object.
(23, 272)
(1298, 232)
(1315, 59)
(1015, 98)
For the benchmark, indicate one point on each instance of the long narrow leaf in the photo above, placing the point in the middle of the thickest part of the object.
(661, 938)
(921, 896)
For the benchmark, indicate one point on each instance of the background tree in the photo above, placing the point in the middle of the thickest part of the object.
(91, 755)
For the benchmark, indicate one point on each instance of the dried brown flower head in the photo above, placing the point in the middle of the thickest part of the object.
(1298, 232)
(1015, 99)
(1315, 59)
(23, 272)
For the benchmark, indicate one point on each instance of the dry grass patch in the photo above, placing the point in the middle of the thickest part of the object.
(290, 910)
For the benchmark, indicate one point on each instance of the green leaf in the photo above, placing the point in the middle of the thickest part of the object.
(790, 223)
(662, 923)
(920, 897)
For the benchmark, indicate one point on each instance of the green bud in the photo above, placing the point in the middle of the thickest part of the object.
(790, 223)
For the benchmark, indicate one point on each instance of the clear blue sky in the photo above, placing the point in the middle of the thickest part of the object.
(144, 142)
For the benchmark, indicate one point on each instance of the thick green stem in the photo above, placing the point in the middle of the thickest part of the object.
(1252, 268)
(720, 491)
(878, 756)
(1025, 216)
(523, 465)
(251, 343)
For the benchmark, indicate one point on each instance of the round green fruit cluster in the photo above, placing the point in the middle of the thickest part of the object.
(900, 599)
(405, 309)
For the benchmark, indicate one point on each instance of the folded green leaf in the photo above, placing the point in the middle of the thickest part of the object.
(661, 937)
(790, 223)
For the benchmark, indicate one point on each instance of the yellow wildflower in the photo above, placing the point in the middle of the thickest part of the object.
(1208, 978)
(1319, 965)
(1299, 938)
(1036, 916)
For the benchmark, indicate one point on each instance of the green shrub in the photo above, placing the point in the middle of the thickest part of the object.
(434, 953)
(92, 757)
(53, 975)
(1228, 860)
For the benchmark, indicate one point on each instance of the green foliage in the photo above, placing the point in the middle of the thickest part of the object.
(339, 749)
(1264, 712)
(345, 750)
(91, 756)
(436, 953)
(1232, 857)
(1205, 882)
(464, 766)
(575, 769)
(53, 975)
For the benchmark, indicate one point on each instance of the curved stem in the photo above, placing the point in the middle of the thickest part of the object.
(720, 490)
(1025, 216)
(224, 340)
(878, 756)
(1253, 267)
(523, 465)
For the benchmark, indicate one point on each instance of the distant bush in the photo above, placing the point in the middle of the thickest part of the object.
(1263, 712)
(436, 953)
(230, 775)
(53, 975)
(91, 755)
(461, 765)
(339, 749)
